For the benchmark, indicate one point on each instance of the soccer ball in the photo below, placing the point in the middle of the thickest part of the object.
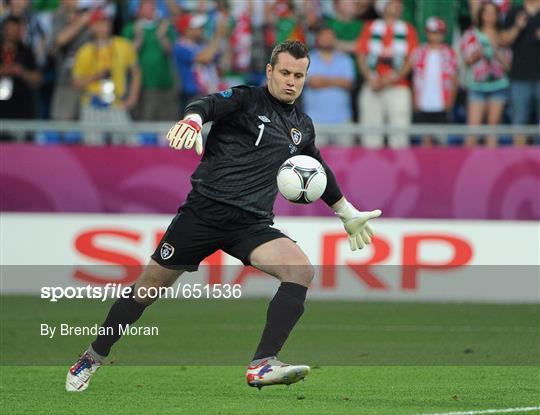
(301, 179)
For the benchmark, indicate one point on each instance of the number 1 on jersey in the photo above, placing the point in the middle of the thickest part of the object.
(260, 127)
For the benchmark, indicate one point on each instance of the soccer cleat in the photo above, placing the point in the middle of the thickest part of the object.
(273, 372)
(79, 375)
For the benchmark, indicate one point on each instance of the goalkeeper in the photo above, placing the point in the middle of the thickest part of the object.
(255, 129)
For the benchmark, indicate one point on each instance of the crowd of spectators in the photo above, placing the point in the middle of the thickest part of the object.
(372, 61)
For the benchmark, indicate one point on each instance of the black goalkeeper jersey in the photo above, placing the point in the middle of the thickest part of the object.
(252, 134)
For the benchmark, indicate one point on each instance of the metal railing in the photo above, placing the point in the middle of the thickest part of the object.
(341, 135)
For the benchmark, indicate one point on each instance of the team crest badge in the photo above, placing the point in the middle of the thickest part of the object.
(226, 93)
(296, 136)
(167, 251)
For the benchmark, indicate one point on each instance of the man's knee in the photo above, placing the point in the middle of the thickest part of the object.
(301, 274)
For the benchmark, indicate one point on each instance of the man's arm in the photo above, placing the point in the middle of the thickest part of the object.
(332, 194)
(347, 46)
(345, 79)
(372, 80)
(220, 105)
(164, 35)
(405, 69)
(81, 82)
(319, 81)
(453, 93)
(514, 26)
(208, 54)
(82, 71)
(354, 222)
(67, 34)
(30, 75)
(134, 87)
(26, 69)
(396, 76)
(186, 133)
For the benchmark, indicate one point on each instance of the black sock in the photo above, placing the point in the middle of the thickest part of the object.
(123, 311)
(283, 312)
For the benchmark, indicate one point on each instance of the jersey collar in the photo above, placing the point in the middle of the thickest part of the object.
(288, 108)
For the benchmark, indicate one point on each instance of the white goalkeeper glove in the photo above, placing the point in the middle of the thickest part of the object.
(356, 223)
(186, 133)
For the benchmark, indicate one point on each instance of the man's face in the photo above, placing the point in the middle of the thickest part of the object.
(147, 9)
(195, 33)
(434, 37)
(19, 6)
(102, 29)
(326, 40)
(393, 9)
(347, 7)
(286, 79)
(12, 32)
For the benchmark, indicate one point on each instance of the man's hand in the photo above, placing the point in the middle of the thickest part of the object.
(184, 134)
(521, 20)
(356, 223)
(375, 83)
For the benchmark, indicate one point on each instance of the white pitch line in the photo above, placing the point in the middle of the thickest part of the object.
(491, 411)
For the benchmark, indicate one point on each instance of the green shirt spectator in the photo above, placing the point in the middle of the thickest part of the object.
(347, 23)
(153, 39)
(347, 31)
(153, 59)
(45, 5)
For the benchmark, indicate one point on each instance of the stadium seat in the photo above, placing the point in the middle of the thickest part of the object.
(47, 137)
(148, 139)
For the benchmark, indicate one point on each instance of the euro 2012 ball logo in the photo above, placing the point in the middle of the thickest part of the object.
(301, 179)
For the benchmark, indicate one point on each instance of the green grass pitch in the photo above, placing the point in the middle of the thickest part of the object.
(367, 358)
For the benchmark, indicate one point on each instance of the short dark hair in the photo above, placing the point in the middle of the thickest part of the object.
(11, 19)
(293, 47)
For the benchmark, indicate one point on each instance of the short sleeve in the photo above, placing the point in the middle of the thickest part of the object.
(348, 67)
(183, 55)
(131, 54)
(82, 64)
(412, 38)
(128, 31)
(415, 54)
(468, 44)
(58, 24)
(362, 45)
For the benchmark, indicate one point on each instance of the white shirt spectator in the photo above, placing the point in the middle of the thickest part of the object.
(431, 97)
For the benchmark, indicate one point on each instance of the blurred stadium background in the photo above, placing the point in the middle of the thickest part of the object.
(441, 314)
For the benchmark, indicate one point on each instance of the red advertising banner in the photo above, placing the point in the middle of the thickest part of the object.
(431, 260)
(501, 183)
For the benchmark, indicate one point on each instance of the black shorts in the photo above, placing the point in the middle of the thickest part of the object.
(203, 226)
